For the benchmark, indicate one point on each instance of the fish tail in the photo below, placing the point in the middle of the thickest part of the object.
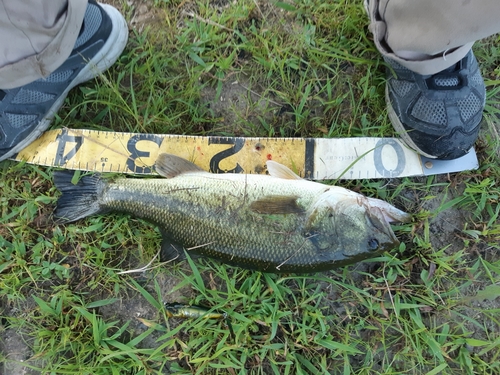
(77, 200)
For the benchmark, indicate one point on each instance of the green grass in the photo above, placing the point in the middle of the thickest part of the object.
(306, 68)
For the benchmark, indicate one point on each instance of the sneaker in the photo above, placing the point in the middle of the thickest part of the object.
(27, 111)
(439, 115)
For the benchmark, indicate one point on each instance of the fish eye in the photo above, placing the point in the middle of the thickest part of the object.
(373, 244)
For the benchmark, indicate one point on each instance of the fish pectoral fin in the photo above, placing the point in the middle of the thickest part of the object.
(279, 170)
(168, 165)
(170, 250)
(276, 204)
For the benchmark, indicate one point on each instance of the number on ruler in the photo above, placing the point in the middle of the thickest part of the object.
(135, 153)
(64, 138)
(237, 143)
(379, 162)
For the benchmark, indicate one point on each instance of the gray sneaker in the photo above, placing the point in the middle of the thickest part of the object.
(439, 115)
(27, 111)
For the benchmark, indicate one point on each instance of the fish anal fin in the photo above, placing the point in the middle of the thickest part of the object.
(276, 204)
(168, 165)
(276, 169)
(170, 250)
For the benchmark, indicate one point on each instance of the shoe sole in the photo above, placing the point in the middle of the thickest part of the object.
(105, 58)
(400, 130)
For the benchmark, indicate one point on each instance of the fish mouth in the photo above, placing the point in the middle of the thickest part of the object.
(387, 212)
(378, 220)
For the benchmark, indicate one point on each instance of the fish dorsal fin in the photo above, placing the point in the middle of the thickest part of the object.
(169, 165)
(276, 205)
(279, 170)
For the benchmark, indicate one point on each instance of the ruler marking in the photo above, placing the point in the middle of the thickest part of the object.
(309, 159)
(314, 158)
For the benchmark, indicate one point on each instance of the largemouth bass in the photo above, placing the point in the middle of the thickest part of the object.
(272, 223)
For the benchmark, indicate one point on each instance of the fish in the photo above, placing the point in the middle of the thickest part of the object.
(276, 222)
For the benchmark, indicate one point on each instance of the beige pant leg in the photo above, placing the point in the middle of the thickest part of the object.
(427, 36)
(37, 36)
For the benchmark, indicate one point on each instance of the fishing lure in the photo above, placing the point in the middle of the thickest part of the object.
(181, 311)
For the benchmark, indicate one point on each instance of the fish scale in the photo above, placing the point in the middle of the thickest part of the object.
(190, 212)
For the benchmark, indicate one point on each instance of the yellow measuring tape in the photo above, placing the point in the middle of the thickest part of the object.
(312, 158)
